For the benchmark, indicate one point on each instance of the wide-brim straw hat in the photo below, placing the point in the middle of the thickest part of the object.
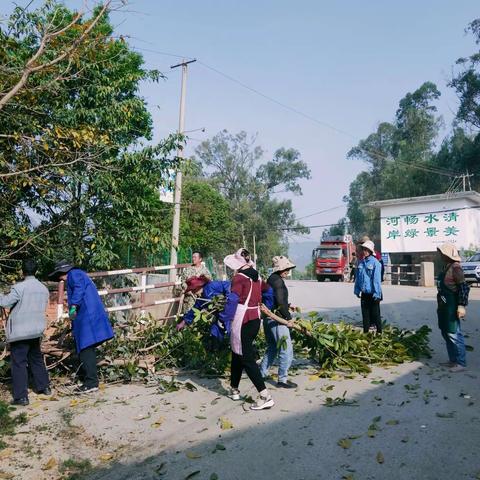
(369, 245)
(235, 261)
(281, 263)
(450, 251)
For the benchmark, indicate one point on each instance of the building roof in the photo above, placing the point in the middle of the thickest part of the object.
(471, 195)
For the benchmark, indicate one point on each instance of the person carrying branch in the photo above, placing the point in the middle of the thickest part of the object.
(368, 287)
(277, 332)
(452, 298)
(247, 290)
(204, 291)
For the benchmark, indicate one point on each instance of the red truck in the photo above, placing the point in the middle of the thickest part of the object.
(332, 258)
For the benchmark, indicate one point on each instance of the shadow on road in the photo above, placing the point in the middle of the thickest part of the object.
(414, 421)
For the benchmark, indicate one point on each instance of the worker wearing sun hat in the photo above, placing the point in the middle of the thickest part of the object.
(246, 290)
(452, 299)
(277, 330)
(368, 287)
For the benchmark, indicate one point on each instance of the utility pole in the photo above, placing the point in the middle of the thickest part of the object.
(466, 178)
(177, 198)
(254, 249)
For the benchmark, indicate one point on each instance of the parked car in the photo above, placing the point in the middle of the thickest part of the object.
(471, 268)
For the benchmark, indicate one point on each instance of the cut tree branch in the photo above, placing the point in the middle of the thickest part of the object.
(46, 38)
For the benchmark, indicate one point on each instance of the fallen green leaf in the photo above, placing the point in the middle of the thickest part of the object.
(344, 443)
(392, 422)
(193, 474)
(192, 455)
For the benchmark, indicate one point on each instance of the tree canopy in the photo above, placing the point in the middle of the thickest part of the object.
(406, 158)
(76, 179)
(235, 165)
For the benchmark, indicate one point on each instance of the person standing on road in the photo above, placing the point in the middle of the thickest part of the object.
(27, 301)
(452, 298)
(247, 293)
(90, 324)
(368, 287)
(279, 342)
(353, 267)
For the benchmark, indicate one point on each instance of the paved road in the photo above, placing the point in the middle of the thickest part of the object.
(337, 301)
(298, 438)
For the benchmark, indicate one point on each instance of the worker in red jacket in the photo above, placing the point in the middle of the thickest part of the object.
(247, 289)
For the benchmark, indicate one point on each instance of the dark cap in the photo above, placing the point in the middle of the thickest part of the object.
(60, 267)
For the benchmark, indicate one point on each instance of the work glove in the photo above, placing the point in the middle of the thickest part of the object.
(461, 312)
(72, 313)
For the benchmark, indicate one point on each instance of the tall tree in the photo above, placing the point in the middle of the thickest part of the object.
(74, 174)
(398, 155)
(233, 164)
(467, 83)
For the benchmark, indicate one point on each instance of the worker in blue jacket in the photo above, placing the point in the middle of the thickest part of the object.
(368, 287)
(90, 324)
(205, 290)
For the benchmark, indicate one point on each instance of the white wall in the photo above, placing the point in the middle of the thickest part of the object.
(423, 226)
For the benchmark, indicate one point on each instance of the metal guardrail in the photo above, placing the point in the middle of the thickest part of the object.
(402, 274)
(143, 288)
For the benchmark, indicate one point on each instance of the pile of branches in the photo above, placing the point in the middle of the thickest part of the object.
(345, 347)
(143, 347)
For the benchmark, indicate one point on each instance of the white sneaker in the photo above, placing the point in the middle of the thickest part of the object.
(263, 403)
(234, 394)
(457, 369)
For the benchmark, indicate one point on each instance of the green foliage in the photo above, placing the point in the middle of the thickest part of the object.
(75, 468)
(345, 347)
(398, 155)
(334, 347)
(190, 348)
(75, 178)
(8, 423)
(401, 156)
(229, 163)
(467, 82)
(207, 221)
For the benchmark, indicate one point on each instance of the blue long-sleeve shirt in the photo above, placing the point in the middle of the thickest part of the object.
(369, 278)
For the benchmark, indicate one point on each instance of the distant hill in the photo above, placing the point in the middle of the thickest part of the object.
(301, 253)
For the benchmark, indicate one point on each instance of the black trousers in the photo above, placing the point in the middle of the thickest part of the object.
(88, 358)
(370, 313)
(24, 355)
(247, 360)
(353, 272)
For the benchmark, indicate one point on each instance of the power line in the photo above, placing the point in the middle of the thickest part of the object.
(378, 154)
(166, 54)
(376, 218)
(271, 99)
(321, 211)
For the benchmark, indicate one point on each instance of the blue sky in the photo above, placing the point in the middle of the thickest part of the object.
(346, 63)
